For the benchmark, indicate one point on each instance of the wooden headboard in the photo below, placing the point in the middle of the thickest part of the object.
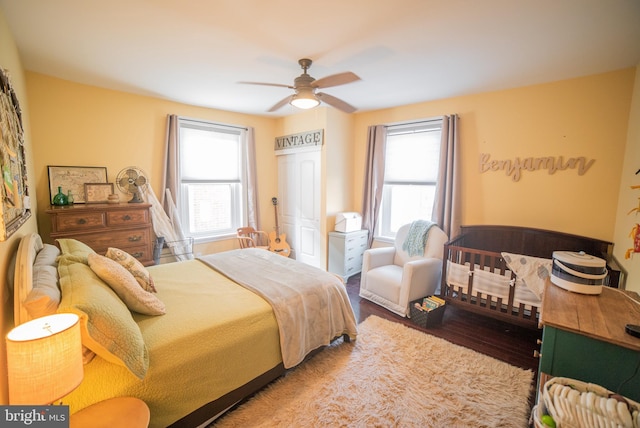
(29, 247)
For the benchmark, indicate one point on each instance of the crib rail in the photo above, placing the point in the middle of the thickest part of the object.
(480, 302)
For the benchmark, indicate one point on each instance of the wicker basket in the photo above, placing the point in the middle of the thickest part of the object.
(426, 319)
(573, 403)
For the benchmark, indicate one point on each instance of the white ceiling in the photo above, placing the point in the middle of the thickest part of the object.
(405, 51)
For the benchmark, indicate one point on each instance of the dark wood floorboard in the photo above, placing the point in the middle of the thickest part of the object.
(512, 344)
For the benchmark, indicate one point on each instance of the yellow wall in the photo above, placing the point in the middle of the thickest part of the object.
(88, 126)
(579, 117)
(630, 198)
(73, 124)
(10, 60)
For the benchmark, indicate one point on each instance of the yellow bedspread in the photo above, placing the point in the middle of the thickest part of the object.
(215, 337)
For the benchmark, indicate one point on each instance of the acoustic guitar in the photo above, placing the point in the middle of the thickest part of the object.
(278, 241)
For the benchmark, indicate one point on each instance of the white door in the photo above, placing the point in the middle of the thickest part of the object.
(299, 204)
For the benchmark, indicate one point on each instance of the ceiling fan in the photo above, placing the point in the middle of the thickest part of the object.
(305, 86)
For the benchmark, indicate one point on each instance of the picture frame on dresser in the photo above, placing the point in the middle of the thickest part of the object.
(97, 193)
(73, 178)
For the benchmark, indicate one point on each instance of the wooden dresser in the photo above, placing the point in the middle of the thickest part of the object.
(584, 339)
(100, 226)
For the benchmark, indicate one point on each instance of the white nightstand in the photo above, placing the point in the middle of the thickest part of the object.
(121, 412)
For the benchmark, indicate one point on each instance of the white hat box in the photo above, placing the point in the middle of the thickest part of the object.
(578, 272)
(348, 222)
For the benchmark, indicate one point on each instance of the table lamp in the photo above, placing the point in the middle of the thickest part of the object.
(44, 358)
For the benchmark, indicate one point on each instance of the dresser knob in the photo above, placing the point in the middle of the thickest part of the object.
(539, 341)
(136, 255)
(537, 354)
(126, 217)
(82, 221)
(135, 238)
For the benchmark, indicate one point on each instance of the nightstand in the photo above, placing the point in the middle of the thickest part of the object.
(121, 412)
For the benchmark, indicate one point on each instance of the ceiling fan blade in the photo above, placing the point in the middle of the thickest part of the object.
(335, 80)
(336, 102)
(279, 85)
(280, 104)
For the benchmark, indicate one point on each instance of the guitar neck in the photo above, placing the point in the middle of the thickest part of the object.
(275, 208)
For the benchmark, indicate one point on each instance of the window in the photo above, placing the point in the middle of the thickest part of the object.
(410, 175)
(211, 178)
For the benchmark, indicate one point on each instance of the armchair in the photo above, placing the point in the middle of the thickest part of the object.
(392, 279)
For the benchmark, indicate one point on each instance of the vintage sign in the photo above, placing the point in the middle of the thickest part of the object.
(303, 139)
(514, 167)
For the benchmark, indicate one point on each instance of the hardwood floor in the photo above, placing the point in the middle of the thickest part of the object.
(512, 344)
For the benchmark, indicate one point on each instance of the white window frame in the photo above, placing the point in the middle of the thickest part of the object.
(238, 196)
(384, 229)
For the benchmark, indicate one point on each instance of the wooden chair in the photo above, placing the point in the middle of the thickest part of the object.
(248, 237)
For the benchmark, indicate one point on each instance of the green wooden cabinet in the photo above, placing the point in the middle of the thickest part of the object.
(577, 356)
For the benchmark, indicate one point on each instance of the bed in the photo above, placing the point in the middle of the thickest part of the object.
(216, 342)
(498, 271)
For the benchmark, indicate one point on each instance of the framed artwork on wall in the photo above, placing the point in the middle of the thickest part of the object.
(73, 178)
(15, 207)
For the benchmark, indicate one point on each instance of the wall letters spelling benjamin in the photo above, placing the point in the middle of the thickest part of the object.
(552, 164)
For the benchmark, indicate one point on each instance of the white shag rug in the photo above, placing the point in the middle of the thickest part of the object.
(392, 376)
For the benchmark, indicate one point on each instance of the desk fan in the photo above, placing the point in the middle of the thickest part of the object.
(132, 180)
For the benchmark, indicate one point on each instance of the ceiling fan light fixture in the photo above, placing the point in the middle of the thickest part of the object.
(305, 99)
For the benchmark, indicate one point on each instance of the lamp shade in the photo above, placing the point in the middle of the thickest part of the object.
(44, 358)
(304, 99)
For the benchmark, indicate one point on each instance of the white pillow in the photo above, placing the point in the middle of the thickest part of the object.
(44, 297)
(125, 286)
(130, 263)
(47, 256)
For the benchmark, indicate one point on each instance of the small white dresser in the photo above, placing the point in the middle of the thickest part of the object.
(345, 252)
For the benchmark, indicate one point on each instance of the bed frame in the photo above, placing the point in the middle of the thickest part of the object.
(482, 245)
(28, 249)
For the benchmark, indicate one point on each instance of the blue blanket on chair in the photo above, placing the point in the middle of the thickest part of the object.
(416, 238)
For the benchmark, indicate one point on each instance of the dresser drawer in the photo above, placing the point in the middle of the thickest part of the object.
(79, 221)
(122, 239)
(354, 262)
(143, 253)
(129, 217)
(358, 242)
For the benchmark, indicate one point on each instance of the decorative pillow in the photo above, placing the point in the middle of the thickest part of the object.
(47, 256)
(75, 248)
(107, 327)
(125, 286)
(44, 297)
(130, 263)
(533, 271)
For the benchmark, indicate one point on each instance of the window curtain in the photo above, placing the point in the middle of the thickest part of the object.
(374, 178)
(253, 211)
(170, 180)
(446, 207)
(170, 177)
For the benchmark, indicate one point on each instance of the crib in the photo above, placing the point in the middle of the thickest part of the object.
(477, 278)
